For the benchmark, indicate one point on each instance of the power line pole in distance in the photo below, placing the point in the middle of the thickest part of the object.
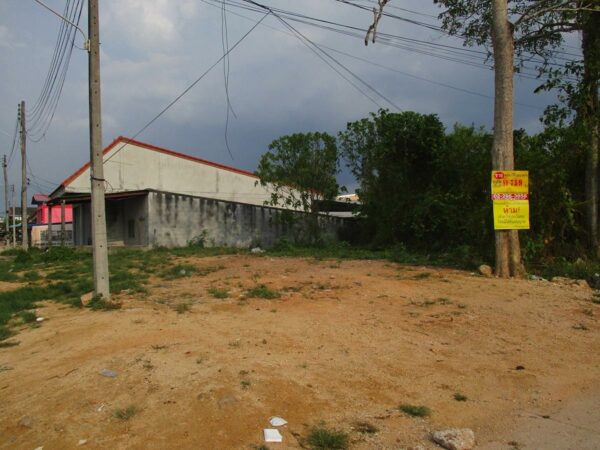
(23, 177)
(99, 240)
(14, 226)
(4, 167)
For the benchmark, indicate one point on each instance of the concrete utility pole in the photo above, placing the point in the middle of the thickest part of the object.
(99, 240)
(4, 166)
(62, 223)
(14, 227)
(50, 227)
(23, 178)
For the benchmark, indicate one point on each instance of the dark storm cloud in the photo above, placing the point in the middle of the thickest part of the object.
(153, 49)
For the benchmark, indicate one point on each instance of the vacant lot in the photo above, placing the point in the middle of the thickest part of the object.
(205, 356)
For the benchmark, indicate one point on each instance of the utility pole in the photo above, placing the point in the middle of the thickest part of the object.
(4, 167)
(23, 177)
(14, 226)
(99, 240)
(62, 223)
(50, 227)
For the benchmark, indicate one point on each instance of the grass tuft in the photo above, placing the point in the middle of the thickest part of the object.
(182, 308)
(415, 411)
(365, 427)
(218, 293)
(27, 316)
(179, 271)
(126, 413)
(97, 303)
(460, 397)
(262, 291)
(321, 438)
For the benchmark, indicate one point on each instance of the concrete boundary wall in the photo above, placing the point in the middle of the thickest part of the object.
(174, 220)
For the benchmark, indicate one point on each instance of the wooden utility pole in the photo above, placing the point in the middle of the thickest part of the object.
(99, 240)
(62, 223)
(23, 178)
(4, 167)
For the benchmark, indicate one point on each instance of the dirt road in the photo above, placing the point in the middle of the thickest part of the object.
(347, 341)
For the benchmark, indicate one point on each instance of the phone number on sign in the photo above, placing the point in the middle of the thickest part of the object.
(510, 196)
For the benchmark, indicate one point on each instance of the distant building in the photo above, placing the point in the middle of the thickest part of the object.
(46, 228)
(159, 197)
(348, 198)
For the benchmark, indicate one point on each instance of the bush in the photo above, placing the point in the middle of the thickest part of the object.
(321, 438)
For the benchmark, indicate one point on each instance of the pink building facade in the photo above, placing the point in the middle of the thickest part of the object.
(45, 214)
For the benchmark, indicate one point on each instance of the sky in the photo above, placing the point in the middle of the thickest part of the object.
(152, 50)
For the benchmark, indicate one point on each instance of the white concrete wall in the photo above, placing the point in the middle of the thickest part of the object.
(133, 168)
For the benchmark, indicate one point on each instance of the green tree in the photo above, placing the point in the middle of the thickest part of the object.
(539, 28)
(392, 157)
(300, 169)
(521, 28)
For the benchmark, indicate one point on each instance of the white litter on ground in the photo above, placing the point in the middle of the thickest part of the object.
(277, 421)
(272, 435)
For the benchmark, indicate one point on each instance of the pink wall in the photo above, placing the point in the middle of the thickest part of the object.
(43, 212)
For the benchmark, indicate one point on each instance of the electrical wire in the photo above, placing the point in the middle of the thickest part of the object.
(189, 88)
(14, 143)
(463, 55)
(225, 45)
(42, 114)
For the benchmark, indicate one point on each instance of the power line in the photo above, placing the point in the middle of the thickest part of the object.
(468, 56)
(14, 141)
(189, 88)
(225, 45)
(45, 108)
(426, 25)
(438, 83)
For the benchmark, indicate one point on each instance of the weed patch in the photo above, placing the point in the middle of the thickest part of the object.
(321, 438)
(365, 427)
(218, 293)
(422, 276)
(32, 275)
(460, 397)
(182, 308)
(179, 271)
(415, 411)
(126, 413)
(98, 303)
(262, 291)
(27, 316)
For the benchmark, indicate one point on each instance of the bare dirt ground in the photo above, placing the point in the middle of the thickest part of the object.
(347, 341)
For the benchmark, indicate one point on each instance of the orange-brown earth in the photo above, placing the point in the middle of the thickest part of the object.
(347, 341)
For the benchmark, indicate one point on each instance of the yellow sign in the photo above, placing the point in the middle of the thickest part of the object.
(510, 182)
(511, 214)
(510, 195)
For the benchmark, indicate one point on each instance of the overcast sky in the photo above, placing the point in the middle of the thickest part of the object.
(153, 49)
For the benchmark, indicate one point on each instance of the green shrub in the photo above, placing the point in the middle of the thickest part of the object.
(262, 291)
(321, 438)
(218, 293)
(415, 411)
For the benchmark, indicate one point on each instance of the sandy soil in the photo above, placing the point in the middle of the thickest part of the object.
(348, 341)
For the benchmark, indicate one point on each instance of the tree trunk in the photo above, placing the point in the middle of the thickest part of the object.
(508, 250)
(590, 111)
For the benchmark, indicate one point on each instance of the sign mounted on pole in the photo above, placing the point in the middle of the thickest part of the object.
(510, 196)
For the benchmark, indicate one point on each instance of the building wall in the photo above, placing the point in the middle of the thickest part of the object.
(43, 213)
(174, 220)
(126, 222)
(40, 235)
(131, 167)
